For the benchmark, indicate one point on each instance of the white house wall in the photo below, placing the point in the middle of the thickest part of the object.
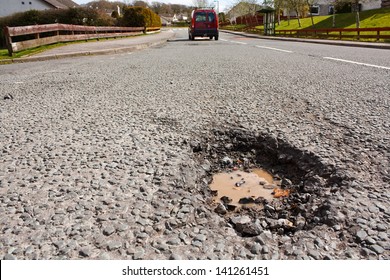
(9, 7)
(366, 4)
(371, 5)
(325, 4)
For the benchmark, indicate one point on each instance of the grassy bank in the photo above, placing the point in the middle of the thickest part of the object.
(372, 18)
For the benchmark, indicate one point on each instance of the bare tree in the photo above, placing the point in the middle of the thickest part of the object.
(140, 3)
(202, 3)
(310, 3)
(279, 6)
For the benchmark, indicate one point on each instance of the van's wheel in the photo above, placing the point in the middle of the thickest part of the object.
(216, 37)
(211, 37)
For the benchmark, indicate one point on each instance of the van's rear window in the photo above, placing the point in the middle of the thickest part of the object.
(200, 17)
(211, 17)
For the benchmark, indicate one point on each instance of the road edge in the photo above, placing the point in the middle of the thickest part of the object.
(313, 41)
(88, 53)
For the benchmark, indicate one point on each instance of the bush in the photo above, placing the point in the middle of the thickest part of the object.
(132, 16)
(139, 17)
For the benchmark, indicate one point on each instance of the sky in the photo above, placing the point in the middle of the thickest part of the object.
(223, 4)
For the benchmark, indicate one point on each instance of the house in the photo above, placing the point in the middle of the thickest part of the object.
(179, 17)
(325, 7)
(385, 3)
(166, 20)
(242, 9)
(9, 7)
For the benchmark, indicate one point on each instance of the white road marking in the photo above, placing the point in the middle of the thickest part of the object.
(274, 49)
(358, 63)
(242, 43)
(19, 82)
(223, 40)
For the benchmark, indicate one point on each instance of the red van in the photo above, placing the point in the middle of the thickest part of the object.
(204, 23)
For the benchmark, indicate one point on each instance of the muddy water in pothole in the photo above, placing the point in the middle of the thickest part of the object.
(239, 184)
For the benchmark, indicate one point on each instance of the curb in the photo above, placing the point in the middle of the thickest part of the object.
(88, 53)
(314, 41)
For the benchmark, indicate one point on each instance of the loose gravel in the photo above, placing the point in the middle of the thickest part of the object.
(109, 157)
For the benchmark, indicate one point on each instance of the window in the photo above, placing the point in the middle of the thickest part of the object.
(211, 17)
(22, 3)
(331, 9)
(200, 17)
(30, 3)
(315, 10)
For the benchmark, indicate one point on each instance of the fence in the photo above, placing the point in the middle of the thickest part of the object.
(339, 33)
(26, 37)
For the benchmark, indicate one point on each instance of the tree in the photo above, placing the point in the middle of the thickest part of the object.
(350, 6)
(310, 3)
(299, 6)
(202, 3)
(289, 6)
(278, 7)
(139, 3)
(104, 5)
(139, 17)
(354, 7)
(222, 17)
(156, 7)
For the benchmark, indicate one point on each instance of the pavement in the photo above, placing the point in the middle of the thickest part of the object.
(141, 42)
(112, 46)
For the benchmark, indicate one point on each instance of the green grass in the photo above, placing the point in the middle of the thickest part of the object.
(236, 27)
(372, 18)
(4, 53)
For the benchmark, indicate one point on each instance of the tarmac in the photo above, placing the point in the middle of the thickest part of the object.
(130, 44)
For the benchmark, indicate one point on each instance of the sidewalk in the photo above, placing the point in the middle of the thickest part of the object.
(314, 41)
(103, 46)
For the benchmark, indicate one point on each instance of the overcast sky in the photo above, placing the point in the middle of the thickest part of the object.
(222, 3)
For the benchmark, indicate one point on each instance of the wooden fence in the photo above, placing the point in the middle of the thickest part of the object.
(26, 37)
(339, 33)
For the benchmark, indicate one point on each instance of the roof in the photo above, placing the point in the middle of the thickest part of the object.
(266, 9)
(62, 4)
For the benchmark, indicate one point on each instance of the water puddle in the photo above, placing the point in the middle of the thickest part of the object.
(239, 187)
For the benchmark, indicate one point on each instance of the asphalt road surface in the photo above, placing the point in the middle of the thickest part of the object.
(109, 157)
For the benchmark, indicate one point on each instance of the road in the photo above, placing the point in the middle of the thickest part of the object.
(109, 157)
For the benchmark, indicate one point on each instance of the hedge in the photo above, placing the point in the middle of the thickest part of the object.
(132, 17)
(139, 17)
(78, 16)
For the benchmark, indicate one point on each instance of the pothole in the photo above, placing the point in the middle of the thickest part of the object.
(238, 187)
(260, 182)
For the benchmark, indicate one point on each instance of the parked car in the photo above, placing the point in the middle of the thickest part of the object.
(204, 23)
